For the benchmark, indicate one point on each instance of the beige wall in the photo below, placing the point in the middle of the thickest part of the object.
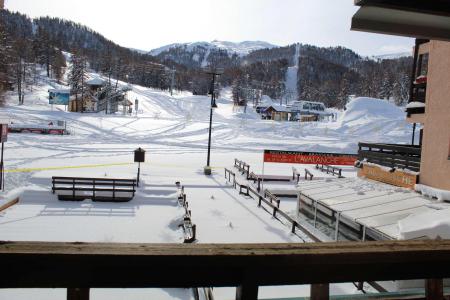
(435, 165)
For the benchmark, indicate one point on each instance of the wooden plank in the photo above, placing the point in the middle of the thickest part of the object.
(9, 204)
(104, 265)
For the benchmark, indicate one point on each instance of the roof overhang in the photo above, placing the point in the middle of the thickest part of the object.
(428, 19)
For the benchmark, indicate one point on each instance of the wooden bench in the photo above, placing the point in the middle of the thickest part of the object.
(97, 189)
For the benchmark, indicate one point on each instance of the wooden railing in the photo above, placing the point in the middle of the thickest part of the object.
(330, 169)
(390, 155)
(242, 166)
(247, 190)
(189, 228)
(81, 266)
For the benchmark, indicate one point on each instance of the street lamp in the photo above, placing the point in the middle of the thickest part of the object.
(214, 72)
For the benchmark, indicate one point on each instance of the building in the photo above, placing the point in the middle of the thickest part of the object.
(307, 111)
(429, 103)
(276, 113)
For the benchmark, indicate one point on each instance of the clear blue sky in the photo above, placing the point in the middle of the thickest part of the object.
(149, 24)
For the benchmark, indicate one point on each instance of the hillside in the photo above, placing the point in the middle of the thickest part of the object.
(328, 75)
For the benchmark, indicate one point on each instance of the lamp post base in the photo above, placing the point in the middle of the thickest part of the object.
(207, 170)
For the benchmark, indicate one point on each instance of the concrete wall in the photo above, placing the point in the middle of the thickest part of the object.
(435, 165)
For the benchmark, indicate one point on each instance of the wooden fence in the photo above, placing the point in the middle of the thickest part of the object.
(81, 266)
(390, 155)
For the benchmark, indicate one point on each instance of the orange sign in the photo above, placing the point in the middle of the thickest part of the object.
(312, 158)
(397, 177)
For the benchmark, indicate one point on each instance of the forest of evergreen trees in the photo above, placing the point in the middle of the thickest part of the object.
(328, 75)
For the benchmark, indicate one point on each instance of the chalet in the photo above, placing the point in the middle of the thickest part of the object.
(276, 113)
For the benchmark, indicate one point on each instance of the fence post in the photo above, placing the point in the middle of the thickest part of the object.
(93, 189)
(434, 289)
(259, 200)
(247, 291)
(114, 189)
(274, 211)
(336, 233)
(77, 294)
(315, 213)
(73, 187)
(53, 185)
(320, 291)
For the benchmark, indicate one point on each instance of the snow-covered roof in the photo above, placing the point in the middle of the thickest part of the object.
(95, 81)
(279, 108)
(59, 91)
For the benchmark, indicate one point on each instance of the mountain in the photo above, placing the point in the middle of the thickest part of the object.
(393, 55)
(241, 49)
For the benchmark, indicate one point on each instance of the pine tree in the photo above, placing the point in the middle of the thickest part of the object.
(59, 63)
(77, 78)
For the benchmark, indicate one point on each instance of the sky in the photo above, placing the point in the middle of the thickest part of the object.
(149, 24)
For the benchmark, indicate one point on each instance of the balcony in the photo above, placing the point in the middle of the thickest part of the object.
(82, 266)
(416, 103)
(391, 155)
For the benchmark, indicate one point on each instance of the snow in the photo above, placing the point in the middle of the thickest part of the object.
(95, 81)
(371, 203)
(393, 55)
(441, 195)
(363, 109)
(241, 49)
(431, 225)
(415, 104)
(292, 75)
(174, 132)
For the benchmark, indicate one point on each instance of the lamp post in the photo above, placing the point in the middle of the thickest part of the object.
(214, 73)
(3, 139)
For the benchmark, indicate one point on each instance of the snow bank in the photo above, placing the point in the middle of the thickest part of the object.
(441, 195)
(366, 110)
(430, 225)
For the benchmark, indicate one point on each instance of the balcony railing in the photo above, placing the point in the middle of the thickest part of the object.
(391, 155)
(81, 266)
(418, 85)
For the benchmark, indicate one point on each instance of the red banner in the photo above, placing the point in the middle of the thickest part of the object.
(310, 158)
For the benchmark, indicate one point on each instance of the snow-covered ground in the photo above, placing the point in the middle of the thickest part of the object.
(174, 132)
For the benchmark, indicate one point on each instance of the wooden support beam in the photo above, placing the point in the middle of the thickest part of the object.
(78, 294)
(116, 265)
(320, 291)
(248, 290)
(434, 289)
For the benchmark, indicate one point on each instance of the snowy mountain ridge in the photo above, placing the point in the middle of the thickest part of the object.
(392, 55)
(241, 48)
